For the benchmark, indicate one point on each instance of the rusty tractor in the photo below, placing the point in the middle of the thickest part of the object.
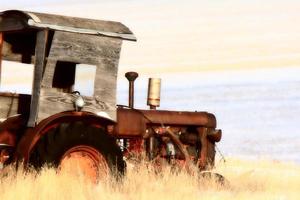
(57, 125)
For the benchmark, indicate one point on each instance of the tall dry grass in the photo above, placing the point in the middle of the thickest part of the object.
(248, 180)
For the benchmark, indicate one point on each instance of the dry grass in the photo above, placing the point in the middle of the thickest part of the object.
(248, 180)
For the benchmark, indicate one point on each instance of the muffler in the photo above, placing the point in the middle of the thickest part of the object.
(153, 99)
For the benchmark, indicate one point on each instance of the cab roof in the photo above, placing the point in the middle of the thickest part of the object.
(14, 20)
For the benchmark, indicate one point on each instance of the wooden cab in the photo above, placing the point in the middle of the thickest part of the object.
(57, 46)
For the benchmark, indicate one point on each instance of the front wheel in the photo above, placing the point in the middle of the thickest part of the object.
(79, 148)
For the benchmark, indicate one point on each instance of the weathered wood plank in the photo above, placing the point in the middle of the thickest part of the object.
(19, 46)
(40, 52)
(84, 49)
(81, 48)
(109, 26)
(11, 23)
(52, 102)
(105, 81)
(49, 73)
(12, 104)
(9, 106)
(12, 20)
(8, 55)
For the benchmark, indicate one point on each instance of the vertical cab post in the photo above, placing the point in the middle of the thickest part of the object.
(40, 57)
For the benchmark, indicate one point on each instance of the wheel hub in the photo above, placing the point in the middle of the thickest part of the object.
(84, 161)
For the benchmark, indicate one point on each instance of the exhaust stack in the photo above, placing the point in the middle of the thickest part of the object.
(131, 76)
(153, 99)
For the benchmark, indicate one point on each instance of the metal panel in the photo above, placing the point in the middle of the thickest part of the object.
(133, 122)
(180, 118)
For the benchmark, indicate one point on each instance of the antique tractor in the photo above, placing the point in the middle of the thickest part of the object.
(58, 126)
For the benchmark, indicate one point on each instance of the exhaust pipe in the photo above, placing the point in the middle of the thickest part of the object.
(131, 76)
(153, 99)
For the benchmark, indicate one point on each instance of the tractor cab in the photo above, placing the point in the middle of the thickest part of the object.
(59, 48)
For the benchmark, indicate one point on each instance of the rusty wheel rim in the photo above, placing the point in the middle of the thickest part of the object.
(84, 161)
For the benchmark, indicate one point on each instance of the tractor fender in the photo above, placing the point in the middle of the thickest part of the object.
(10, 129)
(32, 135)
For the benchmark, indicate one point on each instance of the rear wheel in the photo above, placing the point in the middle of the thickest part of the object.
(79, 148)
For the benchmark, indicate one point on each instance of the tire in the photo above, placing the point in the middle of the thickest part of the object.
(51, 147)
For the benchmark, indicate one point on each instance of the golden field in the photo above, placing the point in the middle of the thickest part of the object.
(259, 179)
